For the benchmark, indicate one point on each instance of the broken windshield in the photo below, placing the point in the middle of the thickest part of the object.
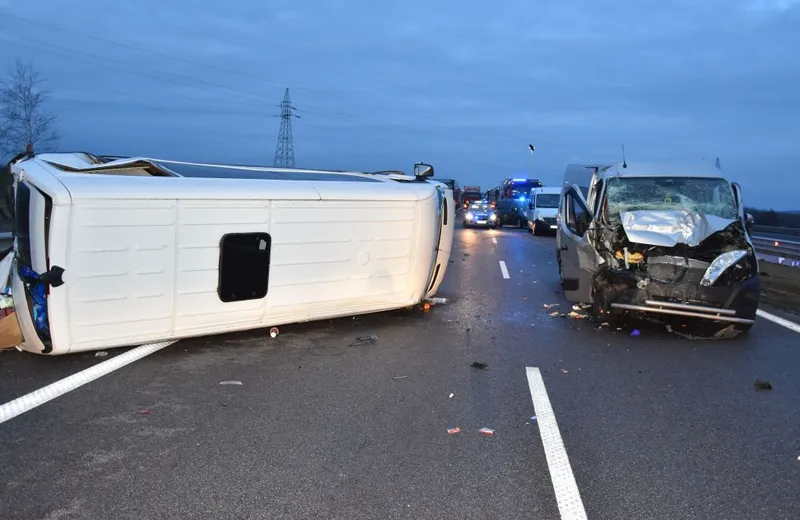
(706, 196)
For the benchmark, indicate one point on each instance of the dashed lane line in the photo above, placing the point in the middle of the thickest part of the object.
(780, 321)
(38, 397)
(504, 270)
(568, 497)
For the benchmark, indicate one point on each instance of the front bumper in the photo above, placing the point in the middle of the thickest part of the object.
(546, 224)
(628, 291)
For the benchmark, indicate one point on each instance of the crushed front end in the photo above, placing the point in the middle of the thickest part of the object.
(716, 278)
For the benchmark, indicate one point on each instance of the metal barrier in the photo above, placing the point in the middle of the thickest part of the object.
(774, 230)
(777, 247)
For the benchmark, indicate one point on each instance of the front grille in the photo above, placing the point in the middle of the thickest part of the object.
(676, 269)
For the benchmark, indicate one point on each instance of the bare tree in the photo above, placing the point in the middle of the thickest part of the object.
(25, 120)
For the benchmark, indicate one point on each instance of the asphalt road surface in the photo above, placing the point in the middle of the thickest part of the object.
(656, 426)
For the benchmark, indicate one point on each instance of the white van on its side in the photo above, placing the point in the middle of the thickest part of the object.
(543, 210)
(122, 252)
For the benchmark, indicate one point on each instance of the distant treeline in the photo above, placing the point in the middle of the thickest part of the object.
(770, 217)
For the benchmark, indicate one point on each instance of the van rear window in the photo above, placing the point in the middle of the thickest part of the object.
(244, 266)
(22, 214)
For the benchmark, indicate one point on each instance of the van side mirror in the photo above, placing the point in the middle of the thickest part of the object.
(422, 170)
(749, 222)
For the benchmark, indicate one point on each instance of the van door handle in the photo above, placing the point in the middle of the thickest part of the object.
(564, 248)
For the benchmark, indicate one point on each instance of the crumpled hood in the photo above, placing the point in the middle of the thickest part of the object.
(669, 228)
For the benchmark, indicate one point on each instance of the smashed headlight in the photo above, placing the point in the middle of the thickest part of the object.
(469, 215)
(720, 265)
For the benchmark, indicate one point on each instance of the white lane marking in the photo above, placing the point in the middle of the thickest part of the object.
(494, 239)
(504, 270)
(780, 321)
(38, 397)
(568, 497)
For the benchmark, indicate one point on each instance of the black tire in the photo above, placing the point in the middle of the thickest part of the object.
(520, 223)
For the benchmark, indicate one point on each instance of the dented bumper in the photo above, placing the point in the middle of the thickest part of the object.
(632, 291)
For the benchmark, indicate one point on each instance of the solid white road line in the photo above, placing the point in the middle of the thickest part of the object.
(38, 397)
(780, 321)
(504, 270)
(494, 239)
(568, 497)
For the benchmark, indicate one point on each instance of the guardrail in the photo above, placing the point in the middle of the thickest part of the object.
(775, 230)
(778, 251)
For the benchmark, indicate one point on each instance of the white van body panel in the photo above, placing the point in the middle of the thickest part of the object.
(141, 254)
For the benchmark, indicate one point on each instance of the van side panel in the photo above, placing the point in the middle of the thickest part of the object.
(120, 271)
(334, 255)
(202, 225)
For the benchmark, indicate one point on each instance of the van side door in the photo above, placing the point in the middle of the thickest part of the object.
(574, 252)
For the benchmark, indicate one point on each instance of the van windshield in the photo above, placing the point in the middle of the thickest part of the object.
(547, 200)
(707, 196)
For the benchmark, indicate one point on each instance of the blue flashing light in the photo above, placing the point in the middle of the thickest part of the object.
(518, 180)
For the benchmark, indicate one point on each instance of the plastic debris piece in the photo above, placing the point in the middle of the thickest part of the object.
(551, 305)
(453, 431)
(451, 396)
(364, 340)
(101, 354)
(574, 315)
(399, 377)
(576, 307)
(479, 365)
(436, 301)
(554, 314)
(524, 298)
(564, 370)
(144, 412)
(762, 385)
(273, 332)
(237, 383)
(426, 306)
(533, 417)
(636, 332)
(486, 431)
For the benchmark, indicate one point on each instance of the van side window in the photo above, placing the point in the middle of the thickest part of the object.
(577, 215)
(244, 266)
(22, 222)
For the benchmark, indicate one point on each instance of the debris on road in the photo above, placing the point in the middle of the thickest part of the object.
(101, 354)
(453, 431)
(636, 332)
(551, 305)
(762, 385)
(574, 315)
(399, 377)
(728, 332)
(273, 332)
(451, 395)
(426, 306)
(364, 340)
(564, 370)
(144, 412)
(533, 417)
(554, 314)
(479, 365)
(436, 301)
(580, 306)
(486, 431)
(237, 383)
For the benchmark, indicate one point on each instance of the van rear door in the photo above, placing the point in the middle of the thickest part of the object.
(32, 212)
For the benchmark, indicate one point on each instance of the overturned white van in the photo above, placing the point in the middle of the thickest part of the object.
(121, 251)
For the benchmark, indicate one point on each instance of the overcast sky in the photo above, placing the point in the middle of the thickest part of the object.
(463, 85)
